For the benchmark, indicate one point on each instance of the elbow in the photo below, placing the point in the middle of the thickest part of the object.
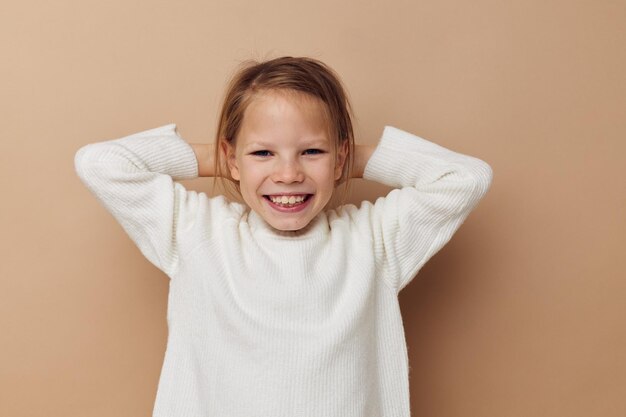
(482, 174)
(83, 157)
(80, 160)
(87, 157)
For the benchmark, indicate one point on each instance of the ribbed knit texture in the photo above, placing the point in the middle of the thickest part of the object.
(284, 324)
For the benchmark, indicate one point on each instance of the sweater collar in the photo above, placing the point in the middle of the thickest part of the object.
(318, 227)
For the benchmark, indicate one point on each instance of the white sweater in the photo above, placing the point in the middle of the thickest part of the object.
(284, 324)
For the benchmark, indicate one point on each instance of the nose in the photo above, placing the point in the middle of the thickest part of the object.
(288, 171)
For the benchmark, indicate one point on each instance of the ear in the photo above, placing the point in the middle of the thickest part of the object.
(342, 154)
(229, 155)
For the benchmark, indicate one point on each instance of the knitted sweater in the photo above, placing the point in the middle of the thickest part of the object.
(264, 323)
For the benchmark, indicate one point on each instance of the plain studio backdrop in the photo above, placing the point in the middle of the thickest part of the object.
(521, 314)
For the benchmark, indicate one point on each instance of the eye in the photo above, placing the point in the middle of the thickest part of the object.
(313, 152)
(261, 153)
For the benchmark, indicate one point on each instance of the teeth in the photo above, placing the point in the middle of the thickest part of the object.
(284, 199)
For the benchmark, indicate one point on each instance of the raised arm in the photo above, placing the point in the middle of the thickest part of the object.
(436, 189)
(134, 179)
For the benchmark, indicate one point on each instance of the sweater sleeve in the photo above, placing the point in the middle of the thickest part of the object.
(133, 178)
(436, 189)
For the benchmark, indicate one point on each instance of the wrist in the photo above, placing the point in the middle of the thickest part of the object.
(204, 156)
(362, 154)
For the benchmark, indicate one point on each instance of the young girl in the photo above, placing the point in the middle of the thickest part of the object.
(282, 306)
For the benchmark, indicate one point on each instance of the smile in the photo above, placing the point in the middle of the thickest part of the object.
(288, 203)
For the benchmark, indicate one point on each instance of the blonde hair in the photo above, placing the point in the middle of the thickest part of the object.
(288, 74)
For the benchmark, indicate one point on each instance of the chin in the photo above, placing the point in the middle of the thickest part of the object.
(288, 227)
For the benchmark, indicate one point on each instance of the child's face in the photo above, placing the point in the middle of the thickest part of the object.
(284, 160)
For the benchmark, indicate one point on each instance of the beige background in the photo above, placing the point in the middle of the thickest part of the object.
(521, 314)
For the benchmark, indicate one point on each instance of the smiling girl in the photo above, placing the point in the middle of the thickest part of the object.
(283, 306)
(283, 158)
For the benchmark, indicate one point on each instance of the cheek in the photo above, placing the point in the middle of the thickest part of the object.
(325, 174)
(251, 175)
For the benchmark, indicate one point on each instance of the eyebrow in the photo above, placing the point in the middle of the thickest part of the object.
(312, 143)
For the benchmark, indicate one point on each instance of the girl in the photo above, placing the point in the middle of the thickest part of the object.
(283, 307)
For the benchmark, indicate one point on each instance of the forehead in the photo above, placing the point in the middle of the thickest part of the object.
(275, 115)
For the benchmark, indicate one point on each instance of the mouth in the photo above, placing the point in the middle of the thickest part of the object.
(288, 202)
